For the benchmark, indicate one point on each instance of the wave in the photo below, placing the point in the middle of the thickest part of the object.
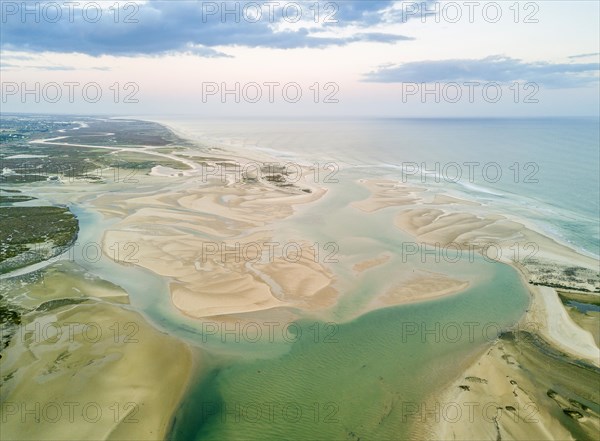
(474, 187)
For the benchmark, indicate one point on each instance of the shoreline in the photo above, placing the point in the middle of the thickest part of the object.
(499, 376)
(126, 374)
(546, 315)
(246, 214)
(464, 227)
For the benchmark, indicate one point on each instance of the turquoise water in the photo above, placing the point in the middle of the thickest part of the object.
(334, 379)
(345, 373)
(549, 166)
(359, 385)
(360, 382)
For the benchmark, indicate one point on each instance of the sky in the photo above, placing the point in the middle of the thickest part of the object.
(301, 58)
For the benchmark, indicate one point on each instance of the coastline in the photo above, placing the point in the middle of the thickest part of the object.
(545, 317)
(549, 316)
(508, 392)
(198, 212)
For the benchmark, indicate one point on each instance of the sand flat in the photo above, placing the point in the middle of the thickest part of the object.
(121, 378)
(514, 411)
(386, 193)
(419, 287)
(371, 263)
(204, 239)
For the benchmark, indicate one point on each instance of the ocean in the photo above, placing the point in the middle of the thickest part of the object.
(368, 381)
(540, 170)
(352, 372)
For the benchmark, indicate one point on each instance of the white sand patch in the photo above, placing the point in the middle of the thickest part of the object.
(25, 156)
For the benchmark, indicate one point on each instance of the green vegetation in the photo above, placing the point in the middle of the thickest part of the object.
(122, 133)
(25, 162)
(9, 316)
(141, 161)
(21, 228)
(9, 199)
(57, 303)
(591, 299)
(10, 319)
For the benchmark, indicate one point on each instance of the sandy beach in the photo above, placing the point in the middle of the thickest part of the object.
(370, 263)
(216, 241)
(508, 393)
(558, 328)
(510, 376)
(106, 373)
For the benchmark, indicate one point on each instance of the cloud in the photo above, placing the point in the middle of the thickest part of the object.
(17, 61)
(496, 68)
(18, 57)
(8, 66)
(162, 27)
(380, 37)
(56, 68)
(361, 11)
(203, 51)
(372, 12)
(593, 54)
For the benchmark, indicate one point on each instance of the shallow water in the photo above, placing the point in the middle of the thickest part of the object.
(359, 376)
(361, 379)
(583, 307)
(338, 374)
(539, 159)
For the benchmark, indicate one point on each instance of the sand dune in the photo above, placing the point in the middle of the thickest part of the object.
(496, 398)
